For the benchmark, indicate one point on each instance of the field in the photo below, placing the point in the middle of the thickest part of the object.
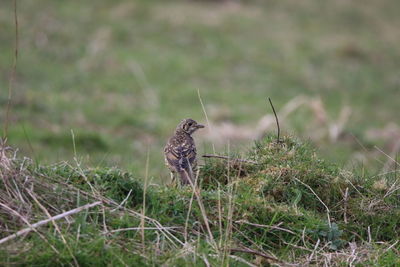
(122, 74)
(102, 85)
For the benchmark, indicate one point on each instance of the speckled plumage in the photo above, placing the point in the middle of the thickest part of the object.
(180, 151)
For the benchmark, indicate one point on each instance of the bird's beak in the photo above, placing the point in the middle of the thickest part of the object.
(200, 126)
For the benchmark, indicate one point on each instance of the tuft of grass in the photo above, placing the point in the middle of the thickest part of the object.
(110, 182)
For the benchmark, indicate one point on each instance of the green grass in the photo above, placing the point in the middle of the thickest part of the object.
(103, 84)
(289, 204)
(122, 75)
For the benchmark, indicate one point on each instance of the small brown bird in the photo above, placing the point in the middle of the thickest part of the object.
(180, 151)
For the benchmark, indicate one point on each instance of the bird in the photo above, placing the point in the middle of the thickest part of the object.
(180, 151)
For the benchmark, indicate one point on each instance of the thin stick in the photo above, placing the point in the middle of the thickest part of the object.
(326, 207)
(29, 143)
(204, 258)
(228, 158)
(391, 158)
(345, 199)
(138, 228)
(255, 252)
(295, 246)
(55, 226)
(104, 218)
(315, 249)
(228, 229)
(190, 207)
(30, 225)
(391, 246)
(131, 212)
(277, 121)
(13, 73)
(142, 221)
(78, 164)
(364, 148)
(73, 143)
(205, 114)
(219, 215)
(275, 227)
(239, 259)
(369, 234)
(51, 219)
(201, 206)
(123, 201)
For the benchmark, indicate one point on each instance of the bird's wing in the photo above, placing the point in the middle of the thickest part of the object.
(180, 155)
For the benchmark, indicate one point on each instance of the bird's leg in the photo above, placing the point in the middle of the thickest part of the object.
(173, 179)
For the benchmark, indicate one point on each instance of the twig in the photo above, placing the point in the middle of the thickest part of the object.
(228, 158)
(315, 249)
(250, 240)
(29, 142)
(78, 165)
(267, 226)
(239, 259)
(364, 148)
(299, 247)
(142, 220)
(326, 207)
(104, 218)
(392, 188)
(219, 215)
(229, 223)
(390, 158)
(190, 207)
(123, 201)
(303, 236)
(277, 121)
(131, 212)
(55, 226)
(204, 258)
(255, 252)
(205, 114)
(201, 206)
(30, 226)
(51, 219)
(138, 228)
(369, 234)
(345, 199)
(391, 246)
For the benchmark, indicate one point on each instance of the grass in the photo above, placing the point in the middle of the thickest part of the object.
(271, 212)
(114, 72)
(102, 84)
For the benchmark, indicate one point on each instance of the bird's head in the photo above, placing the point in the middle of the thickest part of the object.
(188, 126)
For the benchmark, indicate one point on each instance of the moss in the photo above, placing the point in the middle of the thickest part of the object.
(291, 175)
(110, 182)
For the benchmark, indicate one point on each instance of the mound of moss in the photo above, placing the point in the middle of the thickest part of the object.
(286, 184)
(109, 182)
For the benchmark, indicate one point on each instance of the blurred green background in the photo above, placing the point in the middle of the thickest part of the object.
(122, 74)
